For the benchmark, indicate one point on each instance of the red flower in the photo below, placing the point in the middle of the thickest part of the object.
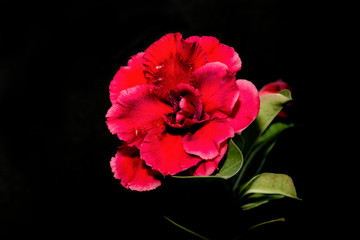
(276, 87)
(175, 106)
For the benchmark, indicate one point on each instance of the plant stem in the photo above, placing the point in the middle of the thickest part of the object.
(184, 228)
(258, 225)
(271, 221)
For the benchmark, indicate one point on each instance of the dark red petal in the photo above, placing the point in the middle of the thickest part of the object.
(217, 86)
(191, 100)
(136, 112)
(218, 52)
(127, 77)
(207, 167)
(132, 171)
(247, 106)
(205, 142)
(164, 152)
(186, 124)
(170, 61)
(188, 107)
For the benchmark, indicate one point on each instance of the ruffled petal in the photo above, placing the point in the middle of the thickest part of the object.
(190, 103)
(164, 152)
(127, 77)
(247, 106)
(136, 112)
(170, 61)
(218, 88)
(207, 167)
(205, 142)
(187, 107)
(132, 171)
(218, 52)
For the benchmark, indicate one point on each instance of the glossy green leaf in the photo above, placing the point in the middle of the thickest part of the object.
(256, 141)
(270, 106)
(239, 141)
(232, 164)
(272, 132)
(271, 183)
(260, 150)
(257, 199)
(266, 187)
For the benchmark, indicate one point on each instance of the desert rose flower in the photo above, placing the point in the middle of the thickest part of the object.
(175, 106)
(275, 87)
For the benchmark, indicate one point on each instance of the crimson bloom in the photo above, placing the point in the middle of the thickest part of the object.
(174, 107)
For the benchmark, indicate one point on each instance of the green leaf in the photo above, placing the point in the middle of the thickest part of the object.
(239, 141)
(261, 148)
(232, 164)
(257, 199)
(270, 105)
(271, 183)
(272, 133)
(266, 187)
(255, 143)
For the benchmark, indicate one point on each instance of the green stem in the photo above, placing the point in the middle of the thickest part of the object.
(271, 221)
(247, 161)
(184, 228)
(260, 224)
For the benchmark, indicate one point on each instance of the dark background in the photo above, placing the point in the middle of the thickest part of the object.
(57, 59)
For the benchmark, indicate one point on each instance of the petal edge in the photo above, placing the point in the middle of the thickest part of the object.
(205, 142)
(132, 171)
(127, 77)
(164, 152)
(246, 107)
(136, 112)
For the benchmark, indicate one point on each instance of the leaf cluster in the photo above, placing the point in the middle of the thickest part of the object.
(247, 153)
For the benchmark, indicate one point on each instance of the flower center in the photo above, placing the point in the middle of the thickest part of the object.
(187, 107)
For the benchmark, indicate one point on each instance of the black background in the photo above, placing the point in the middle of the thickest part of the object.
(57, 59)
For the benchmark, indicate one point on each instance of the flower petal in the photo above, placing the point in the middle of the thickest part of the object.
(187, 107)
(132, 171)
(136, 112)
(164, 152)
(217, 86)
(207, 167)
(218, 52)
(247, 106)
(170, 61)
(127, 77)
(190, 102)
(205, 142)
